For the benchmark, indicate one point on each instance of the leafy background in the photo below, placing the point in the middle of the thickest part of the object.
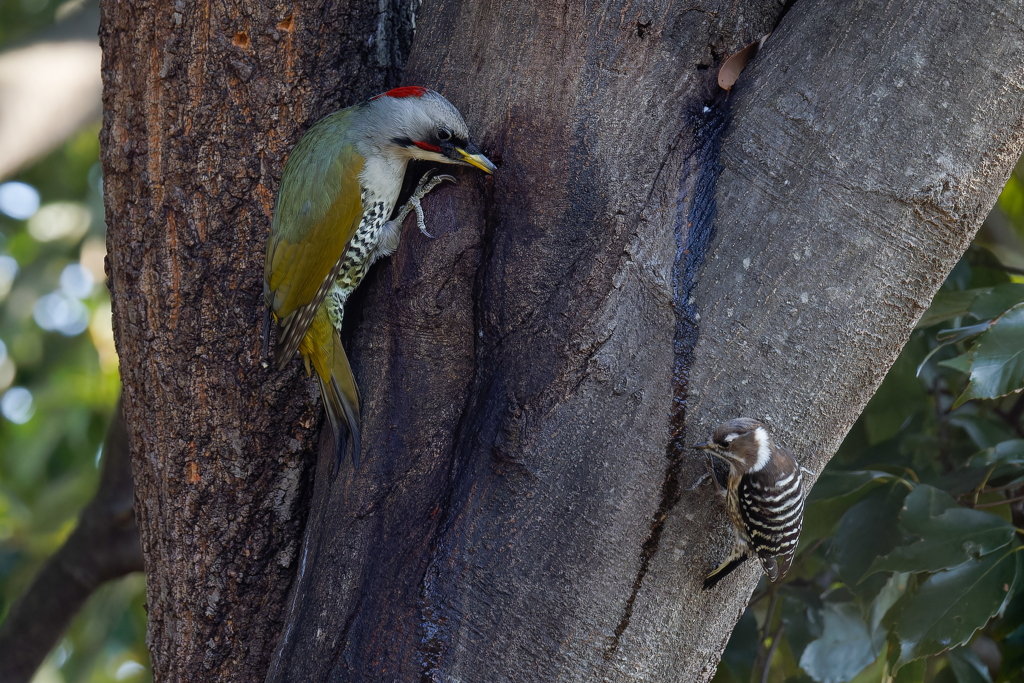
(908, 566)
(58, 384)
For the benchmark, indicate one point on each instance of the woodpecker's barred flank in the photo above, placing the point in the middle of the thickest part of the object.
(764, 497)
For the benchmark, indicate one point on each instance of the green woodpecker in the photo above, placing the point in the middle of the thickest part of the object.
(338, 190)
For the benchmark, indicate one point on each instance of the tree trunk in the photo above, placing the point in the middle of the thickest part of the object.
(202, 102)
(524, 509)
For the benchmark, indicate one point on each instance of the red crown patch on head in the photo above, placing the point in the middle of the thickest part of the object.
(405, 91)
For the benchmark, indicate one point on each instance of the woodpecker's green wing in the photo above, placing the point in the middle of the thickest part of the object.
(317, 212)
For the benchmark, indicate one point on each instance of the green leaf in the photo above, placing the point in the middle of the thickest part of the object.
(967, 667)
(833, 494)
(984, 431)
(948, 534)
(867, 530)
(873, 672)
(844, 649)
(963, 480)
(959, 334)
(891, 592)
(953, 336)
(997, 367)
(1010, 451)
(913, 672)
(951, 605)
(997, 301)
(950, 304)
(799, 607)
(836, 484)
(898, 398)
(961, 363)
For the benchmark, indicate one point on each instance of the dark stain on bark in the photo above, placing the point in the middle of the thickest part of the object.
(694, 232)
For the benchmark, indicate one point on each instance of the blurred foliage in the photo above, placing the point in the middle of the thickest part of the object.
(19, 19)
(58, 387)
(909, 567)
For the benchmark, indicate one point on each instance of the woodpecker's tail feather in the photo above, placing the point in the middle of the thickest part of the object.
(341, 399)
(776, 567)
(321, 347)
(737, 557)
(771, 568)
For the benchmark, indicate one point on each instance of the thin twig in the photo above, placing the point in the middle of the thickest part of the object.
(768, 617)
(998, 503)
(776, 637)
(977, 491)
(996, 489)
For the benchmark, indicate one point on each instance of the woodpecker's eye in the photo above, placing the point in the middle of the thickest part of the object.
(444, 135)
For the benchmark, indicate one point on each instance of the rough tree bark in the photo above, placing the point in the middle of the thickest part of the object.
(202, 102)
(531, 377)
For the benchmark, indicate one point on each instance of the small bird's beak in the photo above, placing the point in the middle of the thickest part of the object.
(472, 156)
(702, 446)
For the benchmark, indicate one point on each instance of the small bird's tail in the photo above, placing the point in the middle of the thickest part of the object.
(737, 556)
(322, 348)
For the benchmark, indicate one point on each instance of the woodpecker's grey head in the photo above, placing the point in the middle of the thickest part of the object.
(417, 123)
(743, 442)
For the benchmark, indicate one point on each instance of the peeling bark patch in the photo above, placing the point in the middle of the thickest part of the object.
(693, 239)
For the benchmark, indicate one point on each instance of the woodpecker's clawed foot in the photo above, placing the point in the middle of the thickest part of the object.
(700, 480)
(422, 189)
(710, 464)
(426, 184)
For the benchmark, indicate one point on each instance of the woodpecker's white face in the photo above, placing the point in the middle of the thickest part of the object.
(743, 442)
(417, 123)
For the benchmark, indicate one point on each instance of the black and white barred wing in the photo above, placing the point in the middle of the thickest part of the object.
(773, 511)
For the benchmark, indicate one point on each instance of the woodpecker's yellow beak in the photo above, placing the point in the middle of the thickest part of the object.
(473, 157)
(702, 446)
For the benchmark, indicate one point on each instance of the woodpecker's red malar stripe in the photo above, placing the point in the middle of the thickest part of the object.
(405, 91)
(427, 146)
